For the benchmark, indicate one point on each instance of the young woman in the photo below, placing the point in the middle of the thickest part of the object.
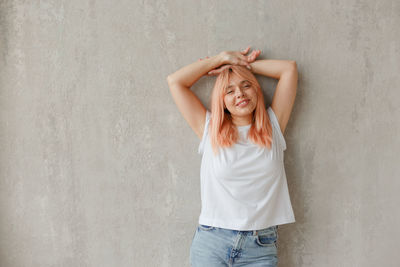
(244, 193)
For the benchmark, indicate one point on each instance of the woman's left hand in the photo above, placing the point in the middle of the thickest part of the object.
(250, 58)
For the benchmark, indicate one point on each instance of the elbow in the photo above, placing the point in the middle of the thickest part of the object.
(169, 79)
(293, 66)
(290, 69)
(173, 80)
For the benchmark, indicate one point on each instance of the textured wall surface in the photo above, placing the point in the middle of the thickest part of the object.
(99, 168)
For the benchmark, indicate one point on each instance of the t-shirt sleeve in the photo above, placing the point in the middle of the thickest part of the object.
(203, 139)
(277, 129)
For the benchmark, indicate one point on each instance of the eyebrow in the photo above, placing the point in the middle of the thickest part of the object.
(240, 83)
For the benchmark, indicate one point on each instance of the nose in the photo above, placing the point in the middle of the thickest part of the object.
(239, 92)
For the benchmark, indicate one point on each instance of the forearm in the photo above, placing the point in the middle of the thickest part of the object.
(189, 74)
(272, 67)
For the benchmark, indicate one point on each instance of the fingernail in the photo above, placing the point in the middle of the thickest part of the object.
(248, 67)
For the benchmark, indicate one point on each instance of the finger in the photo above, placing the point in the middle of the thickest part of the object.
(252, 56)
(257, 53)
(245, 63)
(243, 59)
(219, 70)
(213, 72)
(245, 51)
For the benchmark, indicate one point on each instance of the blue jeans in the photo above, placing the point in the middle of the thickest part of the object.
(212, 246)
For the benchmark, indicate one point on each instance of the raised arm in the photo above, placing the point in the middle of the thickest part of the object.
(188, 103)
(180, 82)
(285, 93)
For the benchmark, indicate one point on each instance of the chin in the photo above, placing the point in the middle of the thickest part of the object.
(245, 111)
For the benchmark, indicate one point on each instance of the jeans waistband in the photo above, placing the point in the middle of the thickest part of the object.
(249, 232)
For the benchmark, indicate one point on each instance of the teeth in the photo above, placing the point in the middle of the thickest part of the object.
(242, 103)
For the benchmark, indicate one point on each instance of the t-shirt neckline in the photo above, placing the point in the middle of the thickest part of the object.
(244, 127)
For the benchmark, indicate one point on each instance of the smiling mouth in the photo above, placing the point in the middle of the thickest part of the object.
(243, 103)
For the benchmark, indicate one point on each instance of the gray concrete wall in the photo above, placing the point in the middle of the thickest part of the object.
(99, 168)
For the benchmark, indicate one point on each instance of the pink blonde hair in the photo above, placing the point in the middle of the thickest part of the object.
(223, 132)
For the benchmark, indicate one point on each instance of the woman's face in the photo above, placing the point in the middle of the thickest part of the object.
(240, 98)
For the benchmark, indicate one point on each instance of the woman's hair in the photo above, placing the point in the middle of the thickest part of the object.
(223, 132)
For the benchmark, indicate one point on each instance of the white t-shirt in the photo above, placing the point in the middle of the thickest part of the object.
(244, 187)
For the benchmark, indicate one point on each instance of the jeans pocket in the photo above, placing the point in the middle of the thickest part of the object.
(206, 227)
(267, 237)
